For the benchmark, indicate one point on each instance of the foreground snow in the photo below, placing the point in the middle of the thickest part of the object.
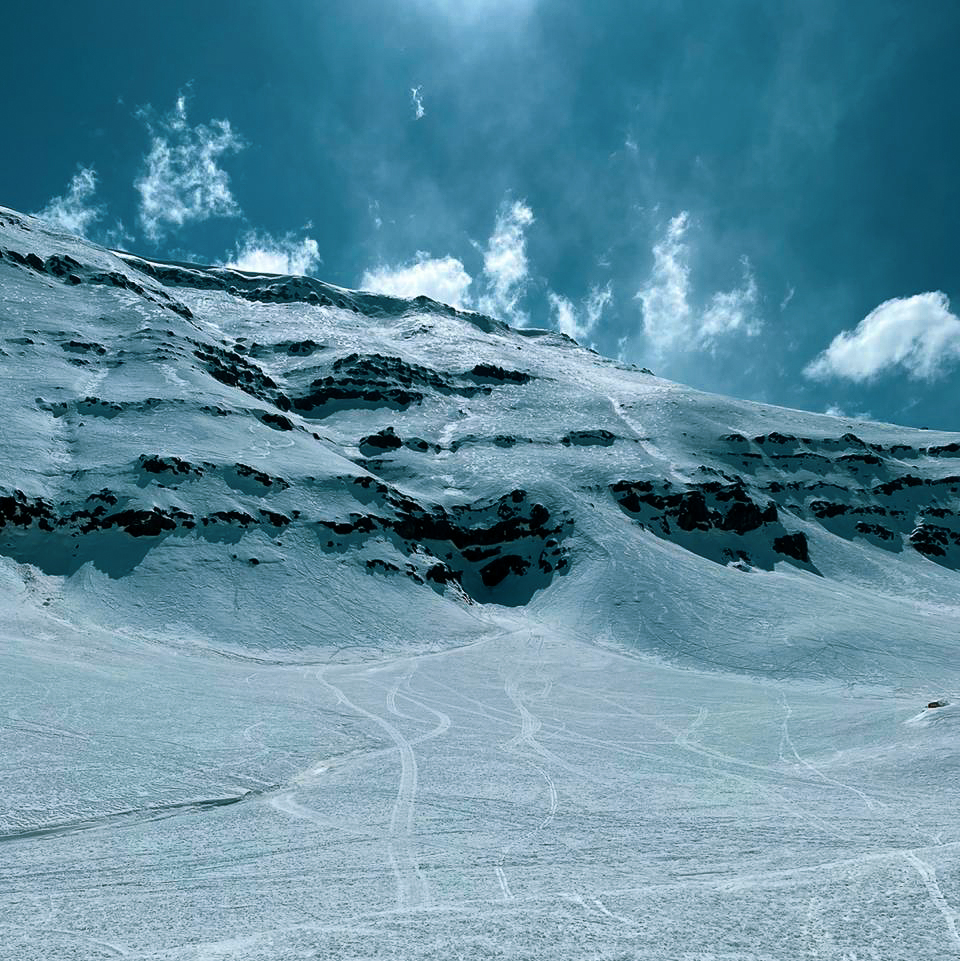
(528, 795)
(337, 626)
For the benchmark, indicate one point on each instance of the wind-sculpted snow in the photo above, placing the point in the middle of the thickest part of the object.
(338, 625)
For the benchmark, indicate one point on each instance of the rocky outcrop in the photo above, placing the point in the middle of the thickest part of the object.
(64, 268)
(718, 520)
(498, 551)
(588, 438)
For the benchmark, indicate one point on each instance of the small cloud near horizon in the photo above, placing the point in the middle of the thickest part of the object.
(259, 252)
(580, 324)
(498, 289)
(443, 279)
(670, 320)
(75, 210)
(918, 335)
(505, 266)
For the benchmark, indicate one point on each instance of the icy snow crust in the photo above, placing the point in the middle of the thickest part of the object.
(340, 626)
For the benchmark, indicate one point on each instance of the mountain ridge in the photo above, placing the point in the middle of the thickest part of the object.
(381, 396)
(344, 626)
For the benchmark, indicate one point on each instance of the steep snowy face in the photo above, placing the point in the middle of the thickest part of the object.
(245, 461)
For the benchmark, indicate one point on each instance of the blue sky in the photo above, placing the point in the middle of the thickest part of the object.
(750, 197)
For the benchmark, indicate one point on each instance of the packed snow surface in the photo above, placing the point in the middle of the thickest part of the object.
(340, 626)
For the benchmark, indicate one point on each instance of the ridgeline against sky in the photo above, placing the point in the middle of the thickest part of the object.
(753, 199)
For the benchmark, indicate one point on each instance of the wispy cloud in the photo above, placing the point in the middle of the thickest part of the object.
(918, 335)
(260, 252)
(442, 278)
(505, 266)
(76, 210)
(496, 291)
(580, 324)
(182, 179)
(417, 100)
(835, 411)
(731, 311)
(670, 320)
(667, 315)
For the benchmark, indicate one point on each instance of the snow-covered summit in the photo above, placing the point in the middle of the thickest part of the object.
(340, 626)
(186, 434)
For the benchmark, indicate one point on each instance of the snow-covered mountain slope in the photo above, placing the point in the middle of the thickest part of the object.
(456, 638)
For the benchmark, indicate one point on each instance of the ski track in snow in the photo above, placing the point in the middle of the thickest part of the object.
(929, 878)
(412, 888)
(529, 726)
(868, 801)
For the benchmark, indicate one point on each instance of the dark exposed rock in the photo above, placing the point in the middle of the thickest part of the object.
(932, 540)
(826, 509)
(230, 368)
(370, 381)
(20, 511)
(692, 512)
(874, 530)
(501, 550)
(258, 477)
(384, 440)
(420, 445)
(871, 459)
(65, 268)
(898, 484)
(491, 373)
(276, 421)
(498, 569)
(79, 347)
(588, 438)
(143, 523)
(373, 380)
(154, 464)
(746, 516)
(703, 517)
(232, 517)
(277, 520)
(293, 348)
(793, 545)
(774, 437)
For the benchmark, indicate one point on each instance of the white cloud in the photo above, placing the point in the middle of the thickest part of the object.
(505, 267)
(918, 334)
(670, 321)
(441, 278)
(667, 315)
(580, 324)
(731, 311)
(497, 291)
(182, 180)
(835, 411)
(75, 210)
(116, 237)
(418, 111)
(262, 253)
